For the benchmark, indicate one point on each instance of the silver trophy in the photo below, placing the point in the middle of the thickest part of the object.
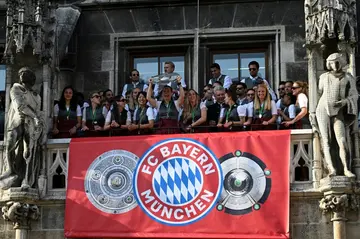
(165, 78)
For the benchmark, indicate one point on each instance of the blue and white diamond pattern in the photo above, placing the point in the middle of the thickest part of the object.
(177, 181)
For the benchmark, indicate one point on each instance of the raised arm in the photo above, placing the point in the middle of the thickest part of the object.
(149, 94)
(181, 91)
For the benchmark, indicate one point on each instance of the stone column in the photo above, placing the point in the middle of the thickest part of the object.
(313, 57)
(336, 200)
(21, 215)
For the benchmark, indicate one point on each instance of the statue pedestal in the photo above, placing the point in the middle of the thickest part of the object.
(16, 194)
(337, 185)
(336, 201)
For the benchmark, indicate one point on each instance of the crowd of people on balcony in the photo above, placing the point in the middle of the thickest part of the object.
(157, 108)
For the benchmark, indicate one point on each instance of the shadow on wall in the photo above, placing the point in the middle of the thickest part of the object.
(2, 114)
(358, 102)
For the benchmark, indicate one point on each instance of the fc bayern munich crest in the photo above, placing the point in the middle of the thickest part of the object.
(177, 181)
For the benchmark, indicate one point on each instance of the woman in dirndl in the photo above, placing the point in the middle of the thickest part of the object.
(67, 115)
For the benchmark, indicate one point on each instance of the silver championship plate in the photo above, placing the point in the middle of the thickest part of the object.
(165, 78)
(108, 181)
(247, 183)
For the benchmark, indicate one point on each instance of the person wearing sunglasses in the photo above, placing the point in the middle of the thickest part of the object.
(279, 104)
(136, 82)
(208, 97)
(93, 119)
(254, 79)
(241, 89)
(300, 89)
(118, 117)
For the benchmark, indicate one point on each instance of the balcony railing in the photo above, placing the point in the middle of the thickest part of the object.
(57, 158)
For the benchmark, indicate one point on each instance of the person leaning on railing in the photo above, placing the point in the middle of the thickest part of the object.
(67, 115)
(301, 121)
(233, 116)
(143, 120)
(289, 112)
(118, 119)
(262, 113)
(93, 118)
(168, 109)
(194, 113)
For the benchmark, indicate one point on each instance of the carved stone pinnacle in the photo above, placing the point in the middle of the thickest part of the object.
(20, 214)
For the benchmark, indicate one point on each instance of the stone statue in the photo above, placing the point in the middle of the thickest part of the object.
(25, 133)
(335, 113)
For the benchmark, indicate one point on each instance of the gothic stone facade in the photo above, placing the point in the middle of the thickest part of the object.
(100, 56)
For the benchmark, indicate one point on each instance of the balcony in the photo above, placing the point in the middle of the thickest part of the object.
(301, 178)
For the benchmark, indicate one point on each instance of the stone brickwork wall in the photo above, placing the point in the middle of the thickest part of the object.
(95, 56)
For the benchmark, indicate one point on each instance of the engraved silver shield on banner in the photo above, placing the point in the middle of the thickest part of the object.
(108, 181)
(247, 183)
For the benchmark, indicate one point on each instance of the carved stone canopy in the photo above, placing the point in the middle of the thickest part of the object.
(329, 19)
(30, 25)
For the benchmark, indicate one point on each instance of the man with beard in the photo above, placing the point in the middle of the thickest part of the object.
(254, 79)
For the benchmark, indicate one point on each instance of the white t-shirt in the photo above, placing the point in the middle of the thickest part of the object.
(241, 110)
(227, 81)
(108, 118)
(292, 111)
(203, 105)
(86, 104)
(249, 107)
(56, 110)
(273, 109)
(105, 110)
(302, 100)
(149, 114)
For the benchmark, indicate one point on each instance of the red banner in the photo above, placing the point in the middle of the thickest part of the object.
(225, 185)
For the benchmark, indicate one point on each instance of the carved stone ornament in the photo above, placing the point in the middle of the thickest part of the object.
(336, 112)
(332, 203)
(20, 214)
(30, 24)
(327, 19)
(26, 134)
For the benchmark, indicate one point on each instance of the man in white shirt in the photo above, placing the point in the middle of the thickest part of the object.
(217, 76)
(254, 79)
(169, 68)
